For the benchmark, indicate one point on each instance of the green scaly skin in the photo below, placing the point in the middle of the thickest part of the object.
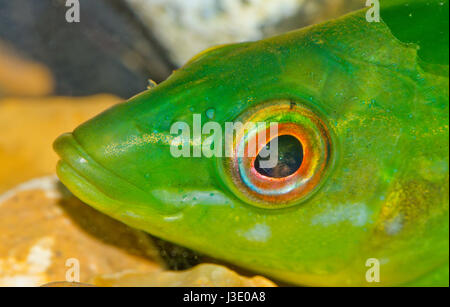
(382, 90)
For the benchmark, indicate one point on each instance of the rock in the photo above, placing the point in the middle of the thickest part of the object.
(202, 275)
(47, 235)
(200, 24)
(186, 28)
(64, 284)
(28, 127)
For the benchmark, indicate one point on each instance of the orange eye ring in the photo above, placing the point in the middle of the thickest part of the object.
(293, 120)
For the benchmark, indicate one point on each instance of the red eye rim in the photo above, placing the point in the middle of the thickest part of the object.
(268, 192)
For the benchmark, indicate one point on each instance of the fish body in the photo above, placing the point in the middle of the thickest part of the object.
(369, 103)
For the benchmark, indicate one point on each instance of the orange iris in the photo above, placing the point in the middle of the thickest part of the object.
(292, 120)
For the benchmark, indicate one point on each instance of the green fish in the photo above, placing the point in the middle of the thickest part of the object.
(360, 193)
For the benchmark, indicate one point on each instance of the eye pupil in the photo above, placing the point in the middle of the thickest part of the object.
(290, 158)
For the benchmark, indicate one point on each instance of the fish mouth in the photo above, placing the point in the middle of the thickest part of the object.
(89, 180)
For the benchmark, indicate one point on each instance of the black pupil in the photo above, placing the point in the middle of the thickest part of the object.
(290, 158)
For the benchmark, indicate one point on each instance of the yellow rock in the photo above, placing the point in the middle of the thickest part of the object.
(202, 275)
(22, 77)
(28, 127)
(48, 235)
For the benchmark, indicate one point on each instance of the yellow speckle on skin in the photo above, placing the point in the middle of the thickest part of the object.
(407, 202)
(152, 138)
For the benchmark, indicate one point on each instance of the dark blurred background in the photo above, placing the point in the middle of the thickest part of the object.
(114, 49)
(90, 56)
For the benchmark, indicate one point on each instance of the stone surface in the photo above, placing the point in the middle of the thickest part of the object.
(199, 24)
(202, 275)
(186, 28)
(46, 234)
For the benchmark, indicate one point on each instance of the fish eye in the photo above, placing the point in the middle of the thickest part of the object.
(290, 158)
(281, 154)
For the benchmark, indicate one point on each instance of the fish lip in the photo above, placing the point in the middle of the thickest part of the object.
(65, 146)
(73, 156)
(86, 178)
(73, 168)
(96, 185)
(78, 184)
(81, 178)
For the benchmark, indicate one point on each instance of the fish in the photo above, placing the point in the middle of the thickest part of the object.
(359, 194)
